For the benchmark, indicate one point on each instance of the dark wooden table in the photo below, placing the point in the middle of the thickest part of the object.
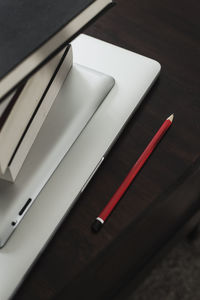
(78, 264)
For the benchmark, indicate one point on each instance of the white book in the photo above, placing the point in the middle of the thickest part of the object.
(18, 119)
(38, 119)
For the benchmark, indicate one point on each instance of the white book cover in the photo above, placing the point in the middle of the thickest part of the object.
(38, 119)
(23, 109)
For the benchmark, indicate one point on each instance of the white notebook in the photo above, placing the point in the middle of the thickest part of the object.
(24, 147)
(23, 109)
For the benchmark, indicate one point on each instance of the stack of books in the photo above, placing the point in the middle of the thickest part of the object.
(35, 59)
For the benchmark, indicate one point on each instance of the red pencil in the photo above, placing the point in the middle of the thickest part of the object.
(131, 175)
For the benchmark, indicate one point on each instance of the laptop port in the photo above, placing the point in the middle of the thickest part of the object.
(25, 206)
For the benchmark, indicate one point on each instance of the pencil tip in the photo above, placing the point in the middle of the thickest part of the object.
(171, 117)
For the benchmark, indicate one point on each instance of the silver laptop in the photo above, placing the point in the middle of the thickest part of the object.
(134, 75)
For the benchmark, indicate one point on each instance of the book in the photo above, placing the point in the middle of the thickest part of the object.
(5, 104)
(27, 101)
(39, 117)
(33, 31)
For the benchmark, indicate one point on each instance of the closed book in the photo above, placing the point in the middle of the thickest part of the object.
(39, 117)
(18, 119)
(33, 31)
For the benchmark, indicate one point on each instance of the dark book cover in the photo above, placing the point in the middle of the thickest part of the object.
(26, 25)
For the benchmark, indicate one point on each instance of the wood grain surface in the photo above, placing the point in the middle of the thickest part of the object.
(78, 264)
